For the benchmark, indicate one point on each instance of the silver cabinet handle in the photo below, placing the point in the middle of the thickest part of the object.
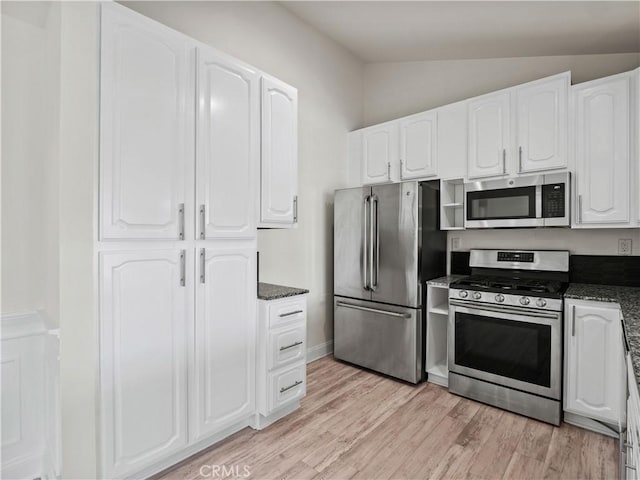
(284, 389)
(374, 282)
(290, 346)
(365, 246)
(373, 310)
(579, 208)
(181, 221)
(288, 314)
(573, 320)
(182, 267)
(202, 265)
(519, 159)
(295, 209)
(401, 166)
(504, 161)
(389, 170)
(202, 225)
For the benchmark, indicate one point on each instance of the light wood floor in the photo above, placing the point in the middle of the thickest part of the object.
(355, 424)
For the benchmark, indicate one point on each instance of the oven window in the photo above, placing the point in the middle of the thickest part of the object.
(502, 203)
(517, 350)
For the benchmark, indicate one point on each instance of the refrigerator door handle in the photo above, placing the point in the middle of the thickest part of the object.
(375, 251)
(365, 245)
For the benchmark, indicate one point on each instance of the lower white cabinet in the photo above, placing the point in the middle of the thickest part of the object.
(594, 360)
(177, 352)
(281, 364)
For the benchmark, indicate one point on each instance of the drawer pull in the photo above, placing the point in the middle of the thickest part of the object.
(284, 389)
(630, 467)
(290, 313)
(290, 346)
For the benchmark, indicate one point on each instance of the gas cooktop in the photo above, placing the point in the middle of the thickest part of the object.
(512, 285)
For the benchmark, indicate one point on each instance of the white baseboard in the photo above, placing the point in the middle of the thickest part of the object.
(589, 424)
(319, 351)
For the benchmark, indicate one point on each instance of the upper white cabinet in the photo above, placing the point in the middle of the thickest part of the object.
(418, 146)
(489, 135)
(380, 153)
(594, 360)
(228, 147)
(146, 127)
(223, 375)
(542, 122)
(602, 152)
(451, 142)
(144, 325)
(279, 172)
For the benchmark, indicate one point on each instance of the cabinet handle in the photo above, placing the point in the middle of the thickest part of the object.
(630, 467)
(519, 159)
(181, 221)
(295, 209)
(401, 167)
(580, 209)
(504, 161)
(289, 313)
(202, 209)
(284, 389)
(182, 267)
(573, 320)
(389, 170)
(290, 346)
(202, 255)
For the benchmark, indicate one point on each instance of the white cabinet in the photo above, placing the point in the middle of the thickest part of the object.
(223, 375)
(418, 151)
(279, 164)
(489, 135)
(451, 144)
(542, 122)
(144, 327)
(594, 360)
(228, 146)
(632, 447)
(146, 127)
(380, 154)
(281, 358)
(602, 152)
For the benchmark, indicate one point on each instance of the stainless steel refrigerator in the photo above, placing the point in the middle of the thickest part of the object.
(387, 244)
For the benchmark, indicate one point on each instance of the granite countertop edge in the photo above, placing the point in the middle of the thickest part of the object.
(629, 300)
(445, 281)
(271, 291)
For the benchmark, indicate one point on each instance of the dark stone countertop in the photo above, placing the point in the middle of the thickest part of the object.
(445, 281)
(629, 300)
(269, 291)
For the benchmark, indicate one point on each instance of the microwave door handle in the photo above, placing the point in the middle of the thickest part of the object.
(538, 201)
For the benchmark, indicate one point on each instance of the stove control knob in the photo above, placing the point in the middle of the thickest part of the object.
(525, 301)
(541, 302)
(463, 294)
(477, 295)
(500, 298)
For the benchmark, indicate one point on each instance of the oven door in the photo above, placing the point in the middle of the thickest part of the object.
(506, 346)
(519, 206)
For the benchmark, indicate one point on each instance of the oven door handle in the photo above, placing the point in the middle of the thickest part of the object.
(488, 308)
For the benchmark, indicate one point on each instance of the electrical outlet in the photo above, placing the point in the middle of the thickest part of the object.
(624, 246)
(455, 243)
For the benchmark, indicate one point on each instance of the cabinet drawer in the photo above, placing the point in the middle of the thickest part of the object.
(287, 311)
(287, 385)
(286, 346)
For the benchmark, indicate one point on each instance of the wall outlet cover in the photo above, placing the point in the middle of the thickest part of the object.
(624, 246)
(455, 243)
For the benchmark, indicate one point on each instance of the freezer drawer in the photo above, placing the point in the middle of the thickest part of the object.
(381, 337)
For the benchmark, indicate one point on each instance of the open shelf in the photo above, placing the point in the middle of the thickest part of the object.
(442, 309)
(452, 204)
(436, 334)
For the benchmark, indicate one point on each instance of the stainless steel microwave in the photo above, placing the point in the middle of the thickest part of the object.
(528, 201)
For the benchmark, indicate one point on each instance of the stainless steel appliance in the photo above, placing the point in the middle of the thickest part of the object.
(387, 242)
(505, 331)
(528, 201)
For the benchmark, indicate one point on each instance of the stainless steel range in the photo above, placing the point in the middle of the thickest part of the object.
(505, 331)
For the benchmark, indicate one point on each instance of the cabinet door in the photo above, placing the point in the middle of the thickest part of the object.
(144, 324)
(542, 118)
(380, 154)
(222, 378)
(228, 147)
(146, 126)
(279, 175)
(489, 134)
(594, 361)
(452, 141)
(418, 137)
(602, 151)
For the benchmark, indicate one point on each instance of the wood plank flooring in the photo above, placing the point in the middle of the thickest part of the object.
(355, 424)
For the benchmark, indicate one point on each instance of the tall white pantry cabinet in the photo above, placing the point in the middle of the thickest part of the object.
(180, 152)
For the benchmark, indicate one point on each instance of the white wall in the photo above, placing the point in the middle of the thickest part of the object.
(329, 83)
(393, 90)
